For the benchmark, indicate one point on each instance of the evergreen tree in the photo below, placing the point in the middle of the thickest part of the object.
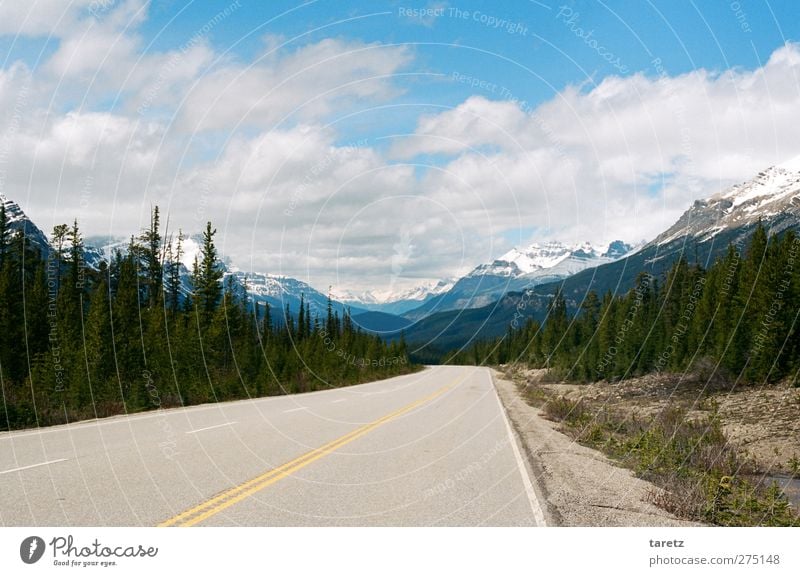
(5, 233)
(100, 351)
(208, 286)
(94, 344)
(152, 259)
(173, 273)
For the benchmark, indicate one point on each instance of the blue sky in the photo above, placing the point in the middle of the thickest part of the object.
(490, 124)
(533, 61)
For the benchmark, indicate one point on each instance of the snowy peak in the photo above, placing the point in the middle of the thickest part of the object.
(276, 290)
(17, 220)
(617, 249)
(422, 292)
(543, 256)
(772, 194)
(380, 297)
(772, 184)
(269, 286)
(13, 212)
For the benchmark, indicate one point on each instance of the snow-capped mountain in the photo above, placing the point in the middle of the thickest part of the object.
(99, 248)
(519, 269)
(17, 220)
(772, 197)
(551, 255)
(702, 234)
(278, 291)
(394, 301)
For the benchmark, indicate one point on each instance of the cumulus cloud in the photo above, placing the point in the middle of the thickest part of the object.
(622, 159)
(42, 17)
(101, 168)
(304, 84)
(257, 147)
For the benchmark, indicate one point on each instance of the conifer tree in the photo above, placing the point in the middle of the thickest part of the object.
(208, 287)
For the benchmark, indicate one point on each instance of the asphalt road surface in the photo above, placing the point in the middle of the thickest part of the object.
(426, 449)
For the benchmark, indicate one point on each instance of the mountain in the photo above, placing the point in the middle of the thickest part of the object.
(278, 291)
(517, 270)
(772, 196)
(381, 323)
(535, 258)
(17, 220)
(701, 235)
(394, 301)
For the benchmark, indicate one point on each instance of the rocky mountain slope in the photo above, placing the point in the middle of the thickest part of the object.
(701, 234)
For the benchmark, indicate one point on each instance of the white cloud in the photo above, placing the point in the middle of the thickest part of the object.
(101, 168)
(41, 17)
(248, 145)
(306, 84)
(588, 163)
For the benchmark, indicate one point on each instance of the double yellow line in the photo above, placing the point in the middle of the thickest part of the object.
(230, 497)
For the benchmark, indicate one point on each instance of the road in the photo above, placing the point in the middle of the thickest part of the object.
(432, 448)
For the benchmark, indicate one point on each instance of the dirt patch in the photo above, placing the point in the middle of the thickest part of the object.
(763, 423)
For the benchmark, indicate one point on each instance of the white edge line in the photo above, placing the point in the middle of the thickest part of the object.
(33, 466)
(294, 410)
(536, 508)
(210, 427)
(339, 400)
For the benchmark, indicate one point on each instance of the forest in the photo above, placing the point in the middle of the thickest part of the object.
(132, 334)
(734, 322)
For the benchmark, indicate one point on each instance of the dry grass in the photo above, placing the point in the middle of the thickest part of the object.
(682, 449)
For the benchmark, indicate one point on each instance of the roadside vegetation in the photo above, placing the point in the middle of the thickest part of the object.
(79, 343)
(698, 473)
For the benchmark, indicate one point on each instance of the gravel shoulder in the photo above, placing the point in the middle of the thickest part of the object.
(580, 486)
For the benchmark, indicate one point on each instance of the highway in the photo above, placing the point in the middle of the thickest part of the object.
(432, 448)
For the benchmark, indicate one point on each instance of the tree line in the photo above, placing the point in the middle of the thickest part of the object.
(734, 322)
(78, 342)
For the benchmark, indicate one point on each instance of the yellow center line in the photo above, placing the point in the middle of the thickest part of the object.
(230, 497)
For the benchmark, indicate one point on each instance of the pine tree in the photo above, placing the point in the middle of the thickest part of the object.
(127, 331)
(152, 259)
(76, 263)
(100, 350)
(301, 319)
(173, 279)
(5, 234)
(208, 287)
(105, 353)
(330, 326)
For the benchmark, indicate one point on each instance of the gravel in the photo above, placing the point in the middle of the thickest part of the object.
(580, 486)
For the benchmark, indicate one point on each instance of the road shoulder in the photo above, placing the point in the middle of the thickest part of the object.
(576, 485)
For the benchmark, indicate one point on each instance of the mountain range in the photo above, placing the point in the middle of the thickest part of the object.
(394, 301)
(519, 269)
(702, 234)
(376, 310)
(449, 313)
(276, 290)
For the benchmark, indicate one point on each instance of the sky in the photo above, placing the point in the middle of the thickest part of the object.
(383, 145)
